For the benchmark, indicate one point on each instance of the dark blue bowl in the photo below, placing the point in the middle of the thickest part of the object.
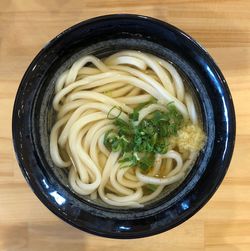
(33, 117)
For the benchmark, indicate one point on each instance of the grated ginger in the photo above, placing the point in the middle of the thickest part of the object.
(190, 138)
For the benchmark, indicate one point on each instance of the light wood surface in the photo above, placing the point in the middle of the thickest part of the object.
(223, 27)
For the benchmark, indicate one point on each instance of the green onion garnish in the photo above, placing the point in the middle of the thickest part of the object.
(138, 144)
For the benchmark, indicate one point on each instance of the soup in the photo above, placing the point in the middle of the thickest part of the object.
(126, 127)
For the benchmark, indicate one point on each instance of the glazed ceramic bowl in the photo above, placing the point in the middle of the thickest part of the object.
(33, 117)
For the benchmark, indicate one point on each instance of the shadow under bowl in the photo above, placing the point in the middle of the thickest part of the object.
(33, 118)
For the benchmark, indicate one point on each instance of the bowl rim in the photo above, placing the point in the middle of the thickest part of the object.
(230, 146)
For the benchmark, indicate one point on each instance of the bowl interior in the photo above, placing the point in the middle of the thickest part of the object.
(44, 116)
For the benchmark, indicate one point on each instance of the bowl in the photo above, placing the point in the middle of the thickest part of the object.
(33, 117)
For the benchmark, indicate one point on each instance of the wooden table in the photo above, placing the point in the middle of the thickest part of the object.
(223, 27)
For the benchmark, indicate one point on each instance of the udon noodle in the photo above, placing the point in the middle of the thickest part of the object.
(90, 96)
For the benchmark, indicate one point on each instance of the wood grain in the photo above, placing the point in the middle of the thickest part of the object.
(223, 27)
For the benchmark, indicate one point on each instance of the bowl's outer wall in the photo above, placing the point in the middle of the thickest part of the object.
(59, 200)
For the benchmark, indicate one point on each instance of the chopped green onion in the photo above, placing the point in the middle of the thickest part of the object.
(109, 113)
(138, 144)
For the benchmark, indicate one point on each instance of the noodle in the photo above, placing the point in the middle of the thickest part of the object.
(93, 97)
